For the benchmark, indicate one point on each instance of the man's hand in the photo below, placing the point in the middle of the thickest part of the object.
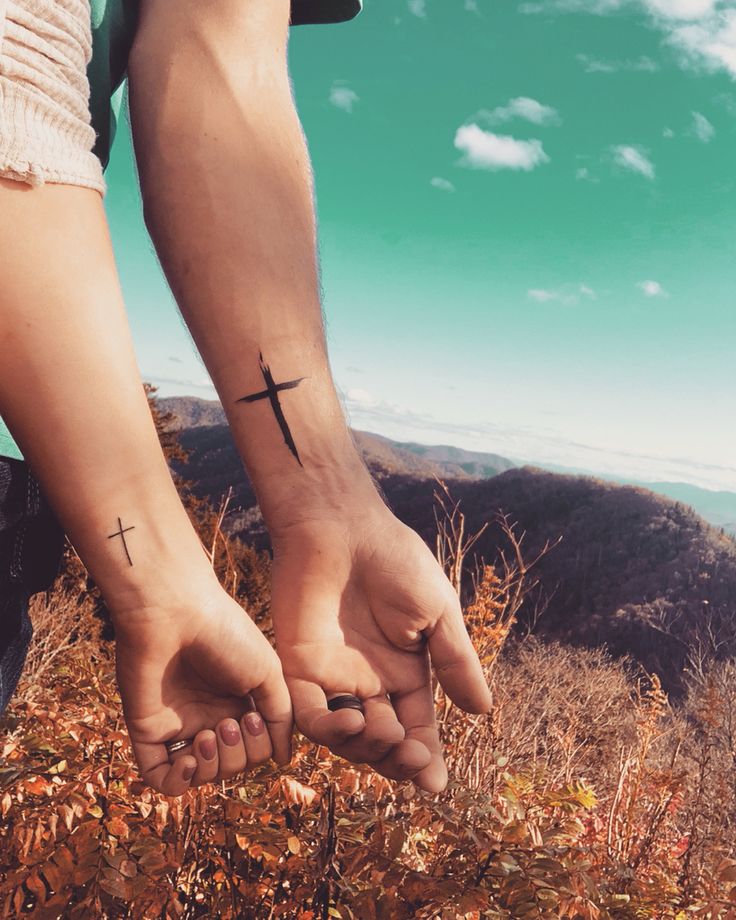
(361, 606)
(190, 671)
(359, 603)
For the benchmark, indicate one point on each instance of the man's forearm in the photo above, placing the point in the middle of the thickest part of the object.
(227, 192)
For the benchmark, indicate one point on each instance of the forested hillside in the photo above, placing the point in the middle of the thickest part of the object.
(635, 571)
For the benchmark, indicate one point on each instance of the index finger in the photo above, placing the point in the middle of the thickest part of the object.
(274, 704)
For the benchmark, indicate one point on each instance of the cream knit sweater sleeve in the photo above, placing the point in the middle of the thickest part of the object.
(45, 129)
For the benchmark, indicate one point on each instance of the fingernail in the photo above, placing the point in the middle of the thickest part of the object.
(230, 733)
(254, 723)
(208, 748)
(250, 704)
(188, 772)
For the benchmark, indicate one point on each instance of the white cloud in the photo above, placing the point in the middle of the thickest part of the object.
(418, 8)
(702, 128)
(342, 97)
(702, 31)
(361, 397)
(442, 184)
(568, 295)
(681, 9)
(521, 107)
(598, 65)
(661, 9)
(668, 133)
(471, 6)
(709, 44)
(652, 289)
(541, 296)
(633, 159)
(485, 150)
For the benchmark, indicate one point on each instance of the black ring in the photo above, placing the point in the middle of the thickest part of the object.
(344, 701)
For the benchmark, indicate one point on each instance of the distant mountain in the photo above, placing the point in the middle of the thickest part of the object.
(193, 412)
(718, 508)
(382, 454)
(452, 461)
(636, 571)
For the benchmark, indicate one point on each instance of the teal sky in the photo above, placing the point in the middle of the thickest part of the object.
(528, 230)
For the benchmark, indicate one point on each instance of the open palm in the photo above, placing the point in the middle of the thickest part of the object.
(363, 607)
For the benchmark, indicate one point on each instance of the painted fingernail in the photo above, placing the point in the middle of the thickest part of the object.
(208, 748)
(188, 772)
(254, 723)
(230, 733)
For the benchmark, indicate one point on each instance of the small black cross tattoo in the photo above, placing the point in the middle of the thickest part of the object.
(121, 533)
(272, 394)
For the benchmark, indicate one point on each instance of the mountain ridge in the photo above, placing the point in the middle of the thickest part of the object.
(716, 507)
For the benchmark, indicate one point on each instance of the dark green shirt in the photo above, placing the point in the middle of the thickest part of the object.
(113, 29)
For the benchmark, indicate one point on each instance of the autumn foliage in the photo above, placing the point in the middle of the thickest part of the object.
(584, 794)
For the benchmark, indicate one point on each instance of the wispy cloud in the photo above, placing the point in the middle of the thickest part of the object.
(652, 289)
(667, 9)
(708, 44)
(583, 174)
(472, 6)
(668, 133)
(444, 185)
(523, 108)
(418, 8)
(599, 65)
(342, 96)
(702, 32)
(485, 150)
(702, 128)
(633, 159)
(568, 296)
(529, 444)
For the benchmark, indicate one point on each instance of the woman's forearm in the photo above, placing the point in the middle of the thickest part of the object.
(227, 191)
(71, 394)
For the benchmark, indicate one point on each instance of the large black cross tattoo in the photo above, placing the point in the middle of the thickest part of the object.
(272, 394)
(121, 533)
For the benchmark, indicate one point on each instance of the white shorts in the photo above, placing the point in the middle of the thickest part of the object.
(45, 129)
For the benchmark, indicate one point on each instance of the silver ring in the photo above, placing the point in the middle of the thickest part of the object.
(173, 746)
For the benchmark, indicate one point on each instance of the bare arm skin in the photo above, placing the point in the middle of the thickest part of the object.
(359, 603)
(71, 393)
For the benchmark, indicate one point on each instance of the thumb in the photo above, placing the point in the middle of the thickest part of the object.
(455, 662)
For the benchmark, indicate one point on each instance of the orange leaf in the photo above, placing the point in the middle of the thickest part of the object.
(36, 886)
(294, 845)
(297, 793)
(117, 827)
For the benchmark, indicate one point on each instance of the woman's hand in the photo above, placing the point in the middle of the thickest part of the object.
(194, 670)
(361, 606)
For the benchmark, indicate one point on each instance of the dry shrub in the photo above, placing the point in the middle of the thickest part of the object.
(563, 712)
(581, 796)
(65, 628)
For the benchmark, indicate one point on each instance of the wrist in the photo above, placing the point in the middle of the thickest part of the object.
(330, 488)
(142, 550)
